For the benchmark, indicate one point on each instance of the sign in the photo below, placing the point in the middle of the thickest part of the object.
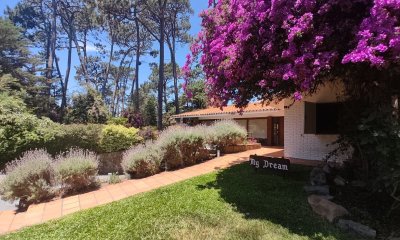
(272, 163)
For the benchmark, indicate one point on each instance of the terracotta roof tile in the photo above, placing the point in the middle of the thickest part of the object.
(231, 109)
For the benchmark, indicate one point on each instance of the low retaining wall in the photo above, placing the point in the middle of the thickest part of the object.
(110, 162)
(240, 148)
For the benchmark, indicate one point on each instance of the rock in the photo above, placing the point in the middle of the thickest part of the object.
(327, 197)
(318, 190)
(358, 183)
(339, 181)
(356, 227)
(317, 177)
(327, 169)
(326, 208)
(393, 238)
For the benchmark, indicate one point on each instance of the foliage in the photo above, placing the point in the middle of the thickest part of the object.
(269, 49)
(76, 170)
(227, 133)
(195, 96)
(117, 121)
(375, 139)
(114, 178)
(20, 130)
(150, 112)
(28, 178)
(116, 137)
(13, 49)
(183, 146)
(233, 203)
(17, 68)
(134, 119)
(180, 146)
(142, 160)
(87, 108)
(148, 133)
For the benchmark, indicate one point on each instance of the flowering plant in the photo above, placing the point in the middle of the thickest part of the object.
(274, 49)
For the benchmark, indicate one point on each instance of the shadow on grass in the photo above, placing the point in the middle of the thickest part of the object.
(272, 197)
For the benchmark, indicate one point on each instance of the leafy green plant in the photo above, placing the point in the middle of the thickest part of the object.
(116, 137)
(113, 178)
(76, 170)
(117, 121)
(29, 178)
(21, 131)
(87, 107)
(85, 136)
(375, 141)
(142, 160)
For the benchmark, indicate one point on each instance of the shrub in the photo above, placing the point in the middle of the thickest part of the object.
(148, 133)
(183, 146)
(113, 178)
(85, 136)
(28, 178)
(142, 160)
(87, 107)
(76, 170)
(118, 121)
(226, 133)
(117, 137)
(21, 130)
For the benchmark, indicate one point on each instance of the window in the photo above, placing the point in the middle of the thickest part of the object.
(321, 118)
(242, 123)
(258, 128)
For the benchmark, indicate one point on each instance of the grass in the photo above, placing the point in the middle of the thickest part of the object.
(234, 203)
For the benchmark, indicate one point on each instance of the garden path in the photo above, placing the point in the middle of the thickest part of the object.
(39, 213)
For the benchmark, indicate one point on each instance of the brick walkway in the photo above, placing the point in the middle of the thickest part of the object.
(11, 221)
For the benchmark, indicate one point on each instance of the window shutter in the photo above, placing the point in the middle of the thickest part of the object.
(310, 118)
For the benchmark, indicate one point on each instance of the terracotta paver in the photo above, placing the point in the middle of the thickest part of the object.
(39, 213)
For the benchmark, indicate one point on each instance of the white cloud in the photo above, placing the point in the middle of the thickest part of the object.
(91, 48)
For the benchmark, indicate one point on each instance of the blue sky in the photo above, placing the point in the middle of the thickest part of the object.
(197, 5)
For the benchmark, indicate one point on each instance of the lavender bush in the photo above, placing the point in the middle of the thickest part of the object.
(183, 146)
(226, 133)
(142, 160)
(29, 178)
(76, 170)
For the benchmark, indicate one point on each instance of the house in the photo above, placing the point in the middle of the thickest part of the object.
(305, 128)
(264, 123)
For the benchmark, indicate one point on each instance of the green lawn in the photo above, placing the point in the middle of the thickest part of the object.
(235, 203)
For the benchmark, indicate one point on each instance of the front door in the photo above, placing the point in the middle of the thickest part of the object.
(277, 131)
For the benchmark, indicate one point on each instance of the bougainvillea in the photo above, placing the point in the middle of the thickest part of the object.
(272, 49)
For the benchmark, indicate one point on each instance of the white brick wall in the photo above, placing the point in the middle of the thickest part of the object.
(308, 146)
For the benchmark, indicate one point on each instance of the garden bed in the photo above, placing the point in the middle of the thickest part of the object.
(240, 148)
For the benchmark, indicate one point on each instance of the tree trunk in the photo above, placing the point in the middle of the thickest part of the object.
(114, 101)
(174, 71)
(161, 69)
(66, 80)
(165, 98)
(137, 65)
(53, 39)
(104, 86)
(82, 59)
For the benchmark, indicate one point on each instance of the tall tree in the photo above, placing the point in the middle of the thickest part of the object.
(154, 20)
(178, 25)
(38, 18)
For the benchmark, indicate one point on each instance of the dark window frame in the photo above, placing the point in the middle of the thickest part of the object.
(321, 118)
